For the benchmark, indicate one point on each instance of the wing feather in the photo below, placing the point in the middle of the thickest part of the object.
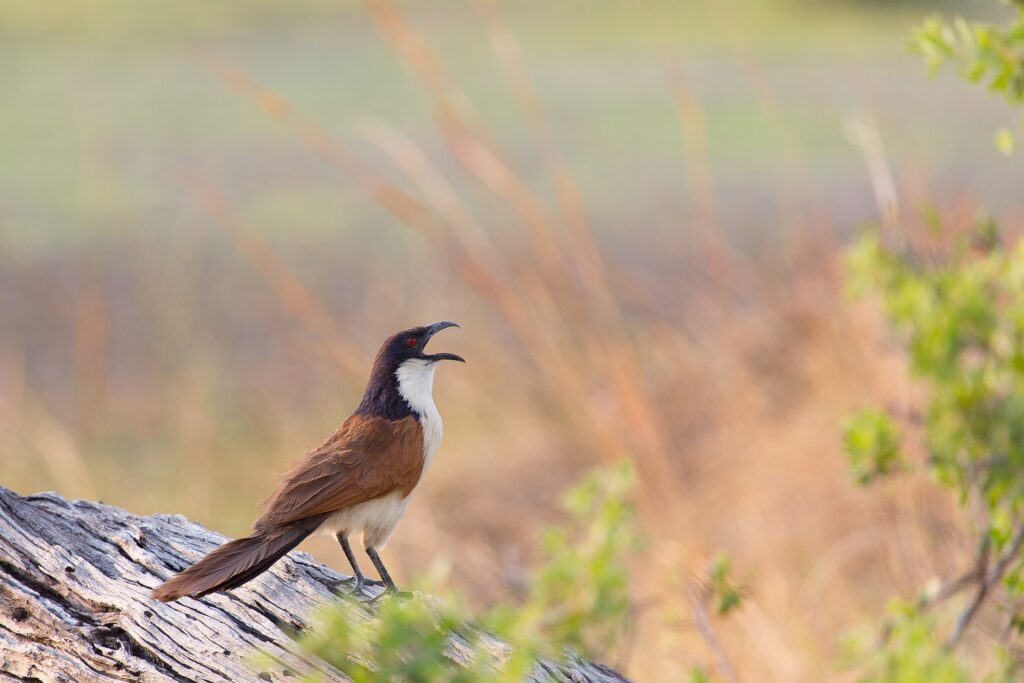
(366, 458)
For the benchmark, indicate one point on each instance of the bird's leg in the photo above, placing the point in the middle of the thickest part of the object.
(357, 578)
(381, 569)
(389, 585)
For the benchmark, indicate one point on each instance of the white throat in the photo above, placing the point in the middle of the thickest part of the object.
(416, 385)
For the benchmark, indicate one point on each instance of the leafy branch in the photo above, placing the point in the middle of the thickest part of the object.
(962, 320)
(987, 54)
(721, 593)
(985, 585)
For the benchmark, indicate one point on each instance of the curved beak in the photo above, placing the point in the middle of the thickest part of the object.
(434, 329)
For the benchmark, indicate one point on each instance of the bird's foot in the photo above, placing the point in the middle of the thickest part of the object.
(354, 584)
(389, 592)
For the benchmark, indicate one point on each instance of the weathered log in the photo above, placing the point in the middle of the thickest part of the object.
(75, 578)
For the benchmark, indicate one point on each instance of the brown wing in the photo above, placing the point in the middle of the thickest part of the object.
(366, 458)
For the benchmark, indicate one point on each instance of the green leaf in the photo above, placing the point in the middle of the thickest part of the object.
(726, 593)
(871, 442)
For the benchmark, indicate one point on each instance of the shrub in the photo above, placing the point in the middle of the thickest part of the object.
(962, 320)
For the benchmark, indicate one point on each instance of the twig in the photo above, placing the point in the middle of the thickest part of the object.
(950, 588)
(992, 576)
(945, 591)
(702, 622)
(1011, 623)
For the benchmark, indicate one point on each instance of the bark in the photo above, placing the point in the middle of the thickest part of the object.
(75, 578)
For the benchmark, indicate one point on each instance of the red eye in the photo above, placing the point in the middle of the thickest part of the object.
(411, 341)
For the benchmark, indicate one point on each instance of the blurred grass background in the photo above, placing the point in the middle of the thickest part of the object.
(640, 239)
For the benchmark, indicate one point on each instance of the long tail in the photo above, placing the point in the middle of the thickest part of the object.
(236, 562)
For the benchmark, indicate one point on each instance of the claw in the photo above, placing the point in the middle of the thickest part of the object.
(356, 585)
(389, 592)
(353, 585)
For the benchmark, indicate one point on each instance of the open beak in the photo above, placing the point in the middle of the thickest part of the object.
(431, 331)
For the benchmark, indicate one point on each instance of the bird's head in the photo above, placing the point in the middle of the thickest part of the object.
(410, 345)
(403, 373)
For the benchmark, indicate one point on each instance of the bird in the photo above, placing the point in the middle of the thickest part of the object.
(357, 482)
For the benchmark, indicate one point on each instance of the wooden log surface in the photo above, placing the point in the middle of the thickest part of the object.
(75, 578)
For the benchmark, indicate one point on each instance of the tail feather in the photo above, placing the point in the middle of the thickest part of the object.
(236, 562)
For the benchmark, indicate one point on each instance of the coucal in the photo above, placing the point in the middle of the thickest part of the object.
(357, 482)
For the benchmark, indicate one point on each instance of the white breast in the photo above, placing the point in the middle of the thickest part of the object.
(416, 384)
(376, 519)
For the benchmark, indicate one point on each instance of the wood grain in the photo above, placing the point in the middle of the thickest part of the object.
(74, 606)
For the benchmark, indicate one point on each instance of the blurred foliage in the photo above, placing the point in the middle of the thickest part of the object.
(580, 596)
(719, 595)
(962, 318)
(698, 675)
(914, 652)
(961, 315)
(988, 54)
(407, 641)
(871, 442)
(963, 322)
(577, 598)
(725, 592)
